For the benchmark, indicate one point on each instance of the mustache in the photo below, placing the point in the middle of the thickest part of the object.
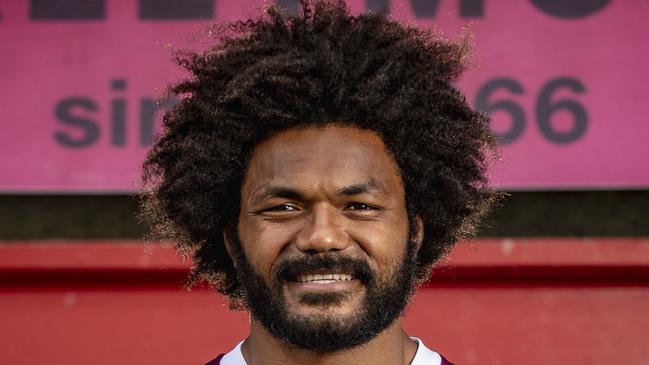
(289, 269)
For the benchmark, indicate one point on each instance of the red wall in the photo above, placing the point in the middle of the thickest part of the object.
(492, 302)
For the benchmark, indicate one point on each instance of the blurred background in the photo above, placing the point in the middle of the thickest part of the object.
(559, 272)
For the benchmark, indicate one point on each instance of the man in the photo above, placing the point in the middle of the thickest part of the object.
(316, 168)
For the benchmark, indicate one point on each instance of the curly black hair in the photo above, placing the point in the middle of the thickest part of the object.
(322, 66)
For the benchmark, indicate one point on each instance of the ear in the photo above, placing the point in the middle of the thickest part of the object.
(227, 240)
(418, 234)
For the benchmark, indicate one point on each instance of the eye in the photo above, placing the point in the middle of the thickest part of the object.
(360, 206)
(363, 211)
(281, 208)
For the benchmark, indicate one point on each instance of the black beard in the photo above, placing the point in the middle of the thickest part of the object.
(384, 302)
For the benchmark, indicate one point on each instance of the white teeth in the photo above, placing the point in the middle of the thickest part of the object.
(323, 278)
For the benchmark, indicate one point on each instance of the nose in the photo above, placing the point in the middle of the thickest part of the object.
(323, 231)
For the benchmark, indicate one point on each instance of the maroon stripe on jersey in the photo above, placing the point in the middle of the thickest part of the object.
(216, 361)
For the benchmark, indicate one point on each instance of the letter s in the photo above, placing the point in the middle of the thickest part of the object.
(89, 127)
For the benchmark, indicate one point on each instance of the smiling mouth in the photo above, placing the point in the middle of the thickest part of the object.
(323, 278)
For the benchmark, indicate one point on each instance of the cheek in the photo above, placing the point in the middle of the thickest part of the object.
(263, 243)
(385, 243)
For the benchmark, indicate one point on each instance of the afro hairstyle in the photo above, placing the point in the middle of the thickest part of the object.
(322, 66)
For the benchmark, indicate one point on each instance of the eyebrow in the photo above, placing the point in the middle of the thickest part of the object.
(366, 187)
(282, 192)
(287, 192)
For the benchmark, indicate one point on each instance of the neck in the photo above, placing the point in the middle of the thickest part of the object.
(392, 346)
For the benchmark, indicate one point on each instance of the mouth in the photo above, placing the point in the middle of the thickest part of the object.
(323, 278)
(324, 273)
(324, 287)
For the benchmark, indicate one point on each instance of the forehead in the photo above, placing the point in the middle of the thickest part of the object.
(331, 157)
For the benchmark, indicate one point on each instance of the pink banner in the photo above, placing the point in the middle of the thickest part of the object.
(565, 82)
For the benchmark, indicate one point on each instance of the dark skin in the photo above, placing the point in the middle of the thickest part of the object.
(316, 190)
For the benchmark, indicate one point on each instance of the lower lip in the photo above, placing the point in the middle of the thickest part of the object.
(325, 287)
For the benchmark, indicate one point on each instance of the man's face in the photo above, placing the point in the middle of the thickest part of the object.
(323, 249)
